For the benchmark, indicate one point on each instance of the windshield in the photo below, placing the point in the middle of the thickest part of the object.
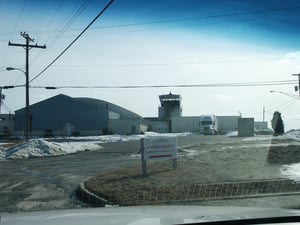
(106, 103)
(206, 122)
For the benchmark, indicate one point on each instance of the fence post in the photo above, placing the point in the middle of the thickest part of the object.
(144, 161)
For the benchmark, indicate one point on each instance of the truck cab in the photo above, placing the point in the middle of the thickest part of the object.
(208, 124)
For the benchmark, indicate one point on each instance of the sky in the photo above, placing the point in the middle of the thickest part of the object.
(206, 43)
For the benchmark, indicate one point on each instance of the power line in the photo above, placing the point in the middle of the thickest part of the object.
(174, 20)
(65, 28)
(234, 61)
(85, 29)
(201, 17)
(221, 85)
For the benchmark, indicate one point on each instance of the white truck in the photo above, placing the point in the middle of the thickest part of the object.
(208, 124)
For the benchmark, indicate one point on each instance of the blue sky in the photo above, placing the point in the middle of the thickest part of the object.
(158, 43)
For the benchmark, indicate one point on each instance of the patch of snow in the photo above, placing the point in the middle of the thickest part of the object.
(189, 152)
(150, 134)
(2, 155)
(292, 134)
(291, 171)
(3, 143)
(232, 134)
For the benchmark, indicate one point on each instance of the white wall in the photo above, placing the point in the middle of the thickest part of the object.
(185, 124)
(227, 123)
(7, 120)
(127, 126)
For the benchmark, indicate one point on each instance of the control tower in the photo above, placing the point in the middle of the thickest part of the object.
(170, 107)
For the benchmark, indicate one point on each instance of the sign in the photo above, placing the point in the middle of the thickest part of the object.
(158, 148)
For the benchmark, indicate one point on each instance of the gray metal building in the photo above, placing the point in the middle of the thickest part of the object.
(64, 115)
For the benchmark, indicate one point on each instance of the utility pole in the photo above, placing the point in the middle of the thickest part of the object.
(27, 46)
(1, 98)
(297, 88)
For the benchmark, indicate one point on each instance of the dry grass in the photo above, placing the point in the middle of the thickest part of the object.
(217, 163)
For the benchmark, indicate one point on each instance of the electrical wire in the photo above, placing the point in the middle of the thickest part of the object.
(201, 17)
(174, 20)
(64, 29)
(216, 85)
(85, 29)
(235, 61)
(280, 106)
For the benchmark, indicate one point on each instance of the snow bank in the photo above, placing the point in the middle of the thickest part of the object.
(291, 171)
(42, 148)
(292, 134)
(232, 134)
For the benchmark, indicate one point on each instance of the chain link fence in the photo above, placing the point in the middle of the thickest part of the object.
(194, 193)
(125, 196)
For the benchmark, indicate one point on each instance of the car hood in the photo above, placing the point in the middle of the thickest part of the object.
(142, 215)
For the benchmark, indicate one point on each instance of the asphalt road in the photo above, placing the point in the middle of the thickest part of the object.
(49, 183)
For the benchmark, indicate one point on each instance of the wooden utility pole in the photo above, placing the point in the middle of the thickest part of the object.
(27, 46)
(1, 98)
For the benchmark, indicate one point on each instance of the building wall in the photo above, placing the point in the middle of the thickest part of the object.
(261, 125)
(167, 112)
(55, 112)
(6, 124)
(227, 123)
(61, 133)
(245, 127)
(185, 124)
(160, 126)
(127, 126)
(62, 115)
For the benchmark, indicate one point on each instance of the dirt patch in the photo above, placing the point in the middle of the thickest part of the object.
(284, 154)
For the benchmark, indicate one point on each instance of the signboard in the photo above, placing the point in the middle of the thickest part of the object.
(158, 148)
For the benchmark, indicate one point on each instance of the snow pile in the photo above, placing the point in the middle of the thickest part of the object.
(232, 134)
(149, 134)
(293, 134)
(41, 148)
(291, 171)
(2, 155)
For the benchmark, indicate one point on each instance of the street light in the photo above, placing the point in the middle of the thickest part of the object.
(13, 68)
(27, 125)
(287, 94)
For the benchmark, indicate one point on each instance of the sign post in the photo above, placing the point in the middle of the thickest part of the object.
(158, 148)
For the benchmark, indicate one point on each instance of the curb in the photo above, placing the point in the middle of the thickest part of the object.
(90, 198)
